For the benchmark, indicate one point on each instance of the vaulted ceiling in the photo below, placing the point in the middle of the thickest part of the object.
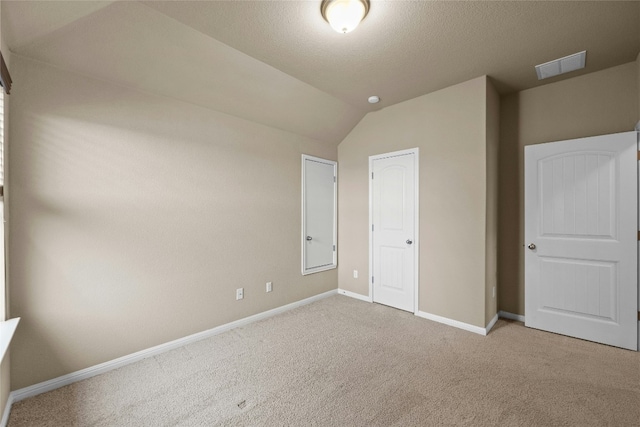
(279, 63)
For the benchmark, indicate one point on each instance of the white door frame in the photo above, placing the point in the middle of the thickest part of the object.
(416, 219)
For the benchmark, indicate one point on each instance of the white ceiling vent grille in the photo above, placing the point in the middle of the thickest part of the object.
(562, 65)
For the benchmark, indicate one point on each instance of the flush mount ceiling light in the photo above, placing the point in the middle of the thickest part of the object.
(344, 15)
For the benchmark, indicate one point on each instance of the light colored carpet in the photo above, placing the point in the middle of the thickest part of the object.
(343, 362)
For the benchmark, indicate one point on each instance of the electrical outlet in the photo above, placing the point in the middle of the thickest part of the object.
(269, 286)
(239, 293)
(355, 274)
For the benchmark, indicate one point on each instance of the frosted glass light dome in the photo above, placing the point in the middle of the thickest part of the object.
(344, 15)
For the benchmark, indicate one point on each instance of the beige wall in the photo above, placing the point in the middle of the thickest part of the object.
(5, 377)
(135, 218)
(449, 128)
(492, 116)
(593, 104)
(6, 98)
(5, 366)
(638, 72)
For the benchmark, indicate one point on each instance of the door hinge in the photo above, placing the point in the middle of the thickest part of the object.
(638, 235)
(371, 279)
(639, 316)
(334, 179)
(372, 227)
(371, 175)
(334, 248)
(638, 155)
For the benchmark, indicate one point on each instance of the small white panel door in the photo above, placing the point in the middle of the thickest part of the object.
(581, 238)
(393, 227)
(319, 209)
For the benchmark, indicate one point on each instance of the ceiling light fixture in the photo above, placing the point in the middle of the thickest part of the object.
(374, 99)
(344, 15)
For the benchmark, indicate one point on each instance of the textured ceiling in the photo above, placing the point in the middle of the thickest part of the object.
(404, 49)
(279, 63)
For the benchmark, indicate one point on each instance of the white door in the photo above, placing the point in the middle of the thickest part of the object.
(581, 238)
(393, 234)
(318, 214)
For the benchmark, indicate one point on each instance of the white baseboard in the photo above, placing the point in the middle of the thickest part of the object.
(455, 323)
(511, 316)
(491, 323)
(354, 295)
(7, 410)
(435, 318)
(102, 368)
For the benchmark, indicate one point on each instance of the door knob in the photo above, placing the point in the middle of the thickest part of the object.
(309, 238)
(532, 246)
(409, 241)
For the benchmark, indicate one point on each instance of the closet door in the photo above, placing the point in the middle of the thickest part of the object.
(394, 250)
(318, 214)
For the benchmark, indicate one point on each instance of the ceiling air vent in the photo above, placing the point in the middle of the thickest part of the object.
(562, 65)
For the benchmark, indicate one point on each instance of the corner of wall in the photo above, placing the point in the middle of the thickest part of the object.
(492, 137)
(510, 214)
(448, 125)
(5, 384)
(5, 365)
